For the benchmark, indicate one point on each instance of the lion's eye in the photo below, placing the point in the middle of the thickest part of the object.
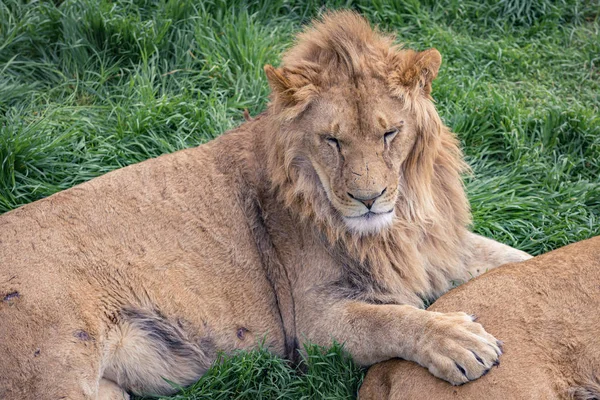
(334, 142)
(390, 135)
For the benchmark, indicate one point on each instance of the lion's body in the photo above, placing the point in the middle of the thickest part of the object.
(546, 312)
(145, 273)
(147, 238)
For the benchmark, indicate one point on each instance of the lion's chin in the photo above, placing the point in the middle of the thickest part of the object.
(370, 223)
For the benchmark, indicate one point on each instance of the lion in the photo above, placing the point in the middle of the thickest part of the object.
(333, 215)
(546, 312)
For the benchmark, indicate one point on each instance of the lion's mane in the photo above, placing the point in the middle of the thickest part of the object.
(432, 210)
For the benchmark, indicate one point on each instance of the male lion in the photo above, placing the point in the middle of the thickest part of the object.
(546, 312)
(332, 215)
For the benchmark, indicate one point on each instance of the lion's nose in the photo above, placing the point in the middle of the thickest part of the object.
(369, 199)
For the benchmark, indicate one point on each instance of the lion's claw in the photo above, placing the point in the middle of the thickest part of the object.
(478, 358)
(456, 349)
(461, 369)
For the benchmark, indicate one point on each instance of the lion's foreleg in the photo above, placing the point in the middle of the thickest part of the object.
(451, 346)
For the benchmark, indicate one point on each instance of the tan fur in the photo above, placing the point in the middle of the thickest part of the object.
(109, 390)
(545, 310)
(264, 234)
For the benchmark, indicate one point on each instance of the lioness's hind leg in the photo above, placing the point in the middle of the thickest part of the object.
(486, 254)
(108, 390)
(152, 355)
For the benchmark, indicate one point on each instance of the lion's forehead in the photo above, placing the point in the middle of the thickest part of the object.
(347, 110)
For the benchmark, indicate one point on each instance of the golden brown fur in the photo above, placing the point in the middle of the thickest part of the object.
(330, 216)
(546, 312)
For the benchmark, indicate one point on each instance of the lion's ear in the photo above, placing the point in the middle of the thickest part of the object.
(291, 87)
(280, 84)
(416, 70)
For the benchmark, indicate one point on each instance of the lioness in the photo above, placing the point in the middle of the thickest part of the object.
(332, 215)
(546, 312)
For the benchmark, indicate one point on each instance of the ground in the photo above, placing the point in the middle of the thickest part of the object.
(92, 85)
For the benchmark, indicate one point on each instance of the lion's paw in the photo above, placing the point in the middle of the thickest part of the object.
(457, 349)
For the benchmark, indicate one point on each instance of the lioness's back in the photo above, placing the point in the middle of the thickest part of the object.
(546, 312)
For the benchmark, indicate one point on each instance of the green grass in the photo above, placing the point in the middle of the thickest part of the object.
(325, 374)
(90, 86)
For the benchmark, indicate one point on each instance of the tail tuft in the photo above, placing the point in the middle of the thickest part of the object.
(589, 390)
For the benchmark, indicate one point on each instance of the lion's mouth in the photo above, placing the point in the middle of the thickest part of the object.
(371, 214)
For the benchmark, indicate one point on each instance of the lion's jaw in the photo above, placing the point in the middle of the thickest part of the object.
(370, 222)
(356, 216)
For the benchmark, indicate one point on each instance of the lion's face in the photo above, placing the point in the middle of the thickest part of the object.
(359, 111)
(356, 138)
